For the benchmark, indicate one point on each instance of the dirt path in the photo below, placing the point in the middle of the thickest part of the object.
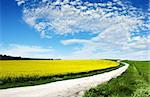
(66, 88)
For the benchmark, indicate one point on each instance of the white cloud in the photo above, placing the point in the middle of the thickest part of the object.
(20, 2)
(98, 47)
(28, 51)
(64, 17)
(72, 41)
(112, 26)
(90, 53)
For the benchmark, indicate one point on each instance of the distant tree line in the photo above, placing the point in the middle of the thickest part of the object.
(6, 57)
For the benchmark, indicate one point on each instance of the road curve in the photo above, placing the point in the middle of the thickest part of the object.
(66, 88)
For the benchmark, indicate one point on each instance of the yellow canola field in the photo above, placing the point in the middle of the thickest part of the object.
(28, 68)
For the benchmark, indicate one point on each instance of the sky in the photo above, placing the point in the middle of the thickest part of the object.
(75, 29)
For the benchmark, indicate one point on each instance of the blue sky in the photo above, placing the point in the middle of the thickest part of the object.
(75, 29)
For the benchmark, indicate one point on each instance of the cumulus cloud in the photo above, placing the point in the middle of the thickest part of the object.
(65, 17)
(118, 26)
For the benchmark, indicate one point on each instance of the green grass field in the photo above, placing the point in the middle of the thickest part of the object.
(143, 69)
(133, 83)
(14, 73)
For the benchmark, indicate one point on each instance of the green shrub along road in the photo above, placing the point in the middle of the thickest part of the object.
(135, 82)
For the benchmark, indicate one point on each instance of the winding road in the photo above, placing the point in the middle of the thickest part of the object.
(66, 88)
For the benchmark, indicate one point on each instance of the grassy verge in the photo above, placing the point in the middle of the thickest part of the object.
(133, 83)
(36, 80)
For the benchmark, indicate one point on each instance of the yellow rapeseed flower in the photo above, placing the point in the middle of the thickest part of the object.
(29, 68)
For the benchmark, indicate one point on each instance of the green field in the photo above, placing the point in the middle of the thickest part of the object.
(14, 73)
(133, 83)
